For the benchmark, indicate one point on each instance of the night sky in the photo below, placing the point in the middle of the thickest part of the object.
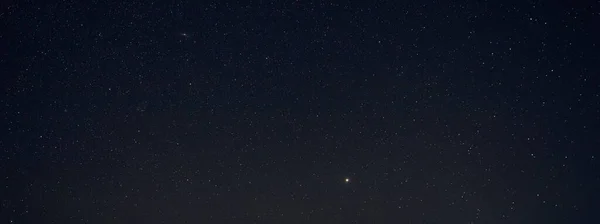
(300, 112)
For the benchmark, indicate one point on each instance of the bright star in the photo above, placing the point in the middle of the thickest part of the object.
(347, 180)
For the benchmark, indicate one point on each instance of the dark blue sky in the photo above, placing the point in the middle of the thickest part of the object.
(234, 112)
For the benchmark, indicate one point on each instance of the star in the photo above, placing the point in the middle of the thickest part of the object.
(347, 180)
